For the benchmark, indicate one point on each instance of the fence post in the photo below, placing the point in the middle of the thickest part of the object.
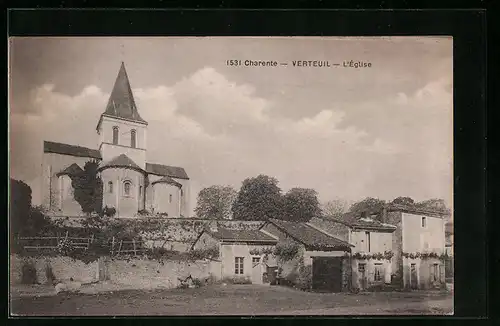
(133, 242)
(120, 248)
(112, 246)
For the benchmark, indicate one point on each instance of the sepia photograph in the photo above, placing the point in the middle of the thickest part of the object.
(244, 176)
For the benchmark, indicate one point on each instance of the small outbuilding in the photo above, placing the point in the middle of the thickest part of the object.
(245, 254)
(322, 261)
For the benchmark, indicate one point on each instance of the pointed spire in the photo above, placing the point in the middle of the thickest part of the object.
(121, 103)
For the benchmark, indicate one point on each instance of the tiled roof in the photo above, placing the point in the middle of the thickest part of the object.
(66, 149)
(165, 170)
(121, 161)
(311, 237)
(417, 210)
(73, 169)
(356, 221)
(241, 235)
(168, 180)
(121, 102)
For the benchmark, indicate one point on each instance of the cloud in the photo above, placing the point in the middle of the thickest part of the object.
(223, 132)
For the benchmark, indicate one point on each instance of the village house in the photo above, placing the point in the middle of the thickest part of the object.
(418, 245)
(372, 252)
(244, 254)
(326, 255)
(130, 182)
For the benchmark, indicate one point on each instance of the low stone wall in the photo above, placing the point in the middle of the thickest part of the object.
(145, 274)
(63, 268)
(131, 273)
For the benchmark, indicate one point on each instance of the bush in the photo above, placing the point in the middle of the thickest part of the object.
(207, 253)
(28, 275)
(237, 280)
(109, 211)
(49, 274)
(286, 251)
(304, 278)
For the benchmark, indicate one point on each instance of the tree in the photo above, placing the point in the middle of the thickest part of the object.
(334, 208)
(434, 204)
(215, 202)
(258, 199)
(87, 187)
(24, 219)
(301, 205)
(407, 201)
(368, 205)
(20, 205)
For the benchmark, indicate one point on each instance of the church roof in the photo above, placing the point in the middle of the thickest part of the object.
(121, 102)
(168, 180)
(73, 169)
(121, 161)
(66, 149)
(165, 170)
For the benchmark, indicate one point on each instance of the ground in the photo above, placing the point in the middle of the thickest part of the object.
(233, 300)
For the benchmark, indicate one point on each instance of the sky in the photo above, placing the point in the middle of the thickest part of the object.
(349, 133)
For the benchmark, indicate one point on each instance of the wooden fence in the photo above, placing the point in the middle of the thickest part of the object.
(116, 246)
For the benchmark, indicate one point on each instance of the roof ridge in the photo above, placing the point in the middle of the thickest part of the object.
(328, 234)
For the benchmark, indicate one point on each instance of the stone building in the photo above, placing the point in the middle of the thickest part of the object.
(130, 182)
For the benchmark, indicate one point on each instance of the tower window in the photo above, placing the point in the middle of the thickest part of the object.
(126, 188)
(170, 198)
(132, 138)
(424, 222)
(115, 135)
(110, 187)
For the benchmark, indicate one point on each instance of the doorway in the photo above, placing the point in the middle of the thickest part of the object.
(413, 276)
(327, 274)
(256, 271)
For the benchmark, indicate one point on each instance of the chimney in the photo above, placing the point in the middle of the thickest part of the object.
(384, 214)
(213, 226)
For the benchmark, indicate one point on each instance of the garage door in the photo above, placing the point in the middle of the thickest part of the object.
(327, 274)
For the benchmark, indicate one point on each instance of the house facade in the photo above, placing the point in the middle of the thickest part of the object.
(372, 240)
(326, 256)
(131, 183)
(244, 254)
(418, 245)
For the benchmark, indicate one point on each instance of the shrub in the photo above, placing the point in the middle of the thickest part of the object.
(65, 247)
(197, 282)
(28, 275)
(49, 274)
(237, 280)
(286, 251)
(304, 278)
(109, 211)
(206, 253)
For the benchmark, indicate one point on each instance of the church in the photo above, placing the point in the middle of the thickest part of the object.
(131, 184)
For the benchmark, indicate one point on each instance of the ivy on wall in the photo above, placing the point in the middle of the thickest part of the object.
(425, 255)
(387, 255)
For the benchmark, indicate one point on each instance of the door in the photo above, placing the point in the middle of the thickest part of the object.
(413, 276)
(327, 274)
(362, 276)
(256, 271)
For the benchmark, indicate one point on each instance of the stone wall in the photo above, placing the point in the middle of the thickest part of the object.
(148, 274)
(131, 273)
(63, 268)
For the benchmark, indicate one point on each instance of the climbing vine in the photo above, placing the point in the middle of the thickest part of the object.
(387, 255)
(425, 255)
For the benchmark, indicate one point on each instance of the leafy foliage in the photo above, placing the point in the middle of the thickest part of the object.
(425, 255)
(407, 201)
(258, 199)
(301, 205)
(87, 187)
(286, 251)
(434, 204)
(25, 219)
(215, 202)
(368, 205)
(334, 208)
(377, 256)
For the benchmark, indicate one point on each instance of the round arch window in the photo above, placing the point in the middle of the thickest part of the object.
(127, 188)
